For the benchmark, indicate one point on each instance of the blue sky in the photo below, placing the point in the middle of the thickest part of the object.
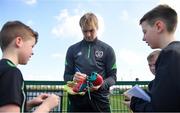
(57, 22)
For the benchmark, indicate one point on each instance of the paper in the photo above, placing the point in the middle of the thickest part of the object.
(138, 92)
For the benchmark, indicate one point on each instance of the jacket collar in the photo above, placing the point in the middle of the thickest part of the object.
(90, 42)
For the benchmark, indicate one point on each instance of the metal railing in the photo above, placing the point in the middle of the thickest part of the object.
(35, 88)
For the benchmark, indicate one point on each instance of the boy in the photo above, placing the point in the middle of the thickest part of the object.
(152, 58)
(17, 41)
(158, 26)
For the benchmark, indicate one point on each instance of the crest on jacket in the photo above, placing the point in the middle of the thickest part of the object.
(99, 54)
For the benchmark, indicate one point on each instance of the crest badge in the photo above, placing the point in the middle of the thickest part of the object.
(99, 54)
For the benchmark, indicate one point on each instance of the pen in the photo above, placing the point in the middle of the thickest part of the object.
(77, 70)
(87, 82)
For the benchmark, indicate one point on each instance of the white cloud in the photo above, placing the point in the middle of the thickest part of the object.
(130, 57)
(58, 56)
(124, 15)
(173, 3)
(40, 77)
(33, 72)
(30, 23)
(30, 2)
(101, 25)
(132, 64)
(68, 25)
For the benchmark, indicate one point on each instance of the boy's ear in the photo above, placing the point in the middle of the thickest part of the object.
(160, 26)
(19, 41)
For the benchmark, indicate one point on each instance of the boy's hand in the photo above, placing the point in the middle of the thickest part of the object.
(127, 100)
(36, 101)
(127, 103)
(48, 103)
(51, 101)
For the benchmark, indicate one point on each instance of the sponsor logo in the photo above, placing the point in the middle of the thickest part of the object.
(79, 53)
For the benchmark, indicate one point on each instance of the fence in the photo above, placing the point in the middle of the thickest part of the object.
(116, 96)
(37, 87)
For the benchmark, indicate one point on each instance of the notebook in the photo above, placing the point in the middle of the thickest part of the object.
(138, 92)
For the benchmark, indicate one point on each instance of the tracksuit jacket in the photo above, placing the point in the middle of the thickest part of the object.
(89, 57)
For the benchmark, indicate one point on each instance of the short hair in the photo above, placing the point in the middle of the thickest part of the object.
(153, 54)
(13, 29)
(88, 19)
(163, 13)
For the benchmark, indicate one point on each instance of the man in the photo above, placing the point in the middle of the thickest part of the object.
(88, 56)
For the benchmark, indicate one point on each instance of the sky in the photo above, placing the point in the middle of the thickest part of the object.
(57, 22)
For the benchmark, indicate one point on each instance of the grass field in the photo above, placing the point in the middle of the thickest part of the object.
(34, 88)
(115, 101)
(116, 104)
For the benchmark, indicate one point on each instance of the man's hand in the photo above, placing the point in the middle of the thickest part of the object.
(94, 88)
(69, 89)
(78, 77)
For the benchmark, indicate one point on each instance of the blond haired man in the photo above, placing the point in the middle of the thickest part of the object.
(87, 56)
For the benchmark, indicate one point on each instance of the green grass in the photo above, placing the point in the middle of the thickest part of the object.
(115, 101)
